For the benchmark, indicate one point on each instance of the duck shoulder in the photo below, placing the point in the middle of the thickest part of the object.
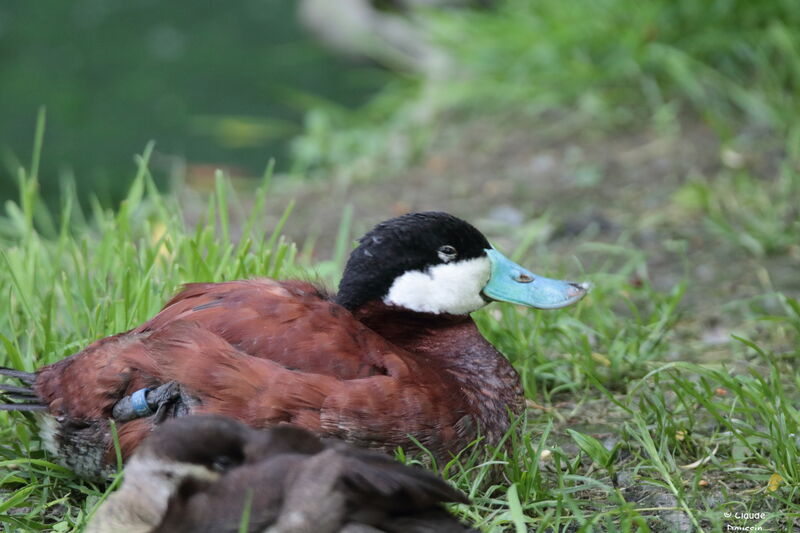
(376, 411)
(293, 323)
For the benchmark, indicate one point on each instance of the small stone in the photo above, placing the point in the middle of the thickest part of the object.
(731, 158)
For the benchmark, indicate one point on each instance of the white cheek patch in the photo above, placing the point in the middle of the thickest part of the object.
(150, 482)
(453, 288)
(154, 480)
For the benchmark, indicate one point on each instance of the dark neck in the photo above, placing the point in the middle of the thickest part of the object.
(404, 327)
(453, 342)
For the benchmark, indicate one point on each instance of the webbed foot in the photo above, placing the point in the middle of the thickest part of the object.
(165, 401)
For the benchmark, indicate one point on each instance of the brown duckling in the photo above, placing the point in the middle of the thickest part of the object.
(200, 473)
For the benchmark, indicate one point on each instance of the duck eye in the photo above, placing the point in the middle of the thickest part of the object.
(223, 462)
(446, 253)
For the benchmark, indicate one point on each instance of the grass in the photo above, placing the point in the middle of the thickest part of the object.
(636, 424)
(681, 443)
(588, 65)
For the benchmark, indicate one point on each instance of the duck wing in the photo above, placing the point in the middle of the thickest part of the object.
(378, 411)
(377, 480)
(290, 322)
(262, 352)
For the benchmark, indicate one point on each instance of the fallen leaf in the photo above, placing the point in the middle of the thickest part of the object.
(533, 405)
(774, 482)
(601, 359)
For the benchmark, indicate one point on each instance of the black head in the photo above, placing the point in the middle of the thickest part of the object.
(284, 439)
(412, 242)
(215, 442)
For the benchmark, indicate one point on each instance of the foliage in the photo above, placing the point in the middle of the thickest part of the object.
(606, 64)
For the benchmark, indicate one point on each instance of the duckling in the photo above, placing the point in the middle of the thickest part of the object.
(393, 358)
(202, 473)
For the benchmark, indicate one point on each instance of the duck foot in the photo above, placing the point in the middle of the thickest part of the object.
(165, 401)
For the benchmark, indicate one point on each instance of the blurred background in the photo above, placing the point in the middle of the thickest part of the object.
(222, 86)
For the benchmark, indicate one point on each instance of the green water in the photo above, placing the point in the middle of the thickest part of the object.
(214, 83)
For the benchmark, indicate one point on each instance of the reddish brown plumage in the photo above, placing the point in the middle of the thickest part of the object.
(268, 352)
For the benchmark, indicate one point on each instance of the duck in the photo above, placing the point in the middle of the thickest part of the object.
(198, 473)
(393, 359)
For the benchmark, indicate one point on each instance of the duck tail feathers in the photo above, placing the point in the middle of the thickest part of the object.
(22, 407)
(18, 398)
(25, 377)
(18, 391)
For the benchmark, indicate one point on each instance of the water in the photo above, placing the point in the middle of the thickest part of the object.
(213, 83)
